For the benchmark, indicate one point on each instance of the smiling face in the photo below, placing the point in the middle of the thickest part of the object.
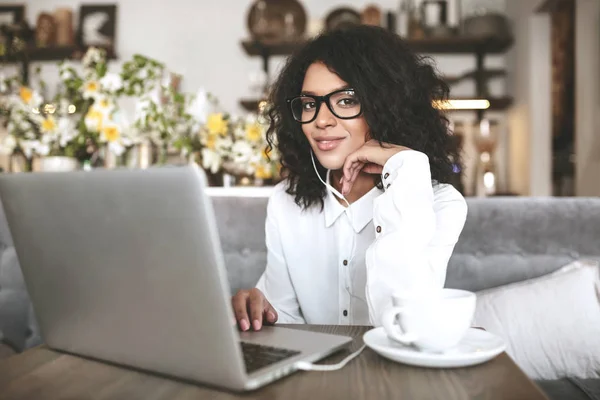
(331, 138)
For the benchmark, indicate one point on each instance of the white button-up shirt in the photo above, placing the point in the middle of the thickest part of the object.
(403, 235)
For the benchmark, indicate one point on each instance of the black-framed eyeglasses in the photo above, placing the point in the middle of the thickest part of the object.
(342, 103)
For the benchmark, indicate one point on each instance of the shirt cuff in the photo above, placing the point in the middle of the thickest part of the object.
(403, 159)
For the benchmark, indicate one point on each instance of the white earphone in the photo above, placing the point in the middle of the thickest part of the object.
(353, 248)
(327, 185)
(339, 195)
(306, 366)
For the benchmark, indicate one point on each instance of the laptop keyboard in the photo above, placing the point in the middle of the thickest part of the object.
(257, 356)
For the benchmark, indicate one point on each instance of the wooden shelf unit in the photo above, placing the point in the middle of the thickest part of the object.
(496, 104)
(448, 45)
(480, 46)
(51, 53)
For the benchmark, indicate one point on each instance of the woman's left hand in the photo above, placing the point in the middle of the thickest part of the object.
(370, 158)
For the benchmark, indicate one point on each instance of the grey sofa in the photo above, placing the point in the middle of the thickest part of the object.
(505, 240)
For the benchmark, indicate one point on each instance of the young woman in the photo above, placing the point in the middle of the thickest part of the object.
(366, 209)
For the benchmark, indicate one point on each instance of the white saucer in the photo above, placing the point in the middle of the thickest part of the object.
(476, 347)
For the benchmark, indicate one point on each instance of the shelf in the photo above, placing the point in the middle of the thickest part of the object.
(461, 45)
(547, 6)
(479, 46)
(52, 54)
(486, 74)
(271, 48)
(496, 104)
(446, 45)
(500, 103)
(250, 104)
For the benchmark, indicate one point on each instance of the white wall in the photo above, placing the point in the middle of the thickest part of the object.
(587, 98)
(201, 40)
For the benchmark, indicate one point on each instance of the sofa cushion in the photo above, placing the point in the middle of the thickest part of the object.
(508, 240)
(241, 226)
(551, 324)
(14, 299)
(571, 389)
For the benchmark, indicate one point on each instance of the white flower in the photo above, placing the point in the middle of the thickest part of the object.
(127, 142)
(251, 118)
(154, 96)
(48, 125)
(104, 104)
(19, 118)
(137, 88)
(8, 145)
(142, 107)
(66, 74)
(239, 132)
(211, 160)
(142, 73)
(63, 106)
(66, 124)
(28, 146)
(48, 138)
(111, 82)
(93, 55)
(223, 144)
(242, 152)
(91, 89)
(66, 71)
(116, 148)
(65, 139)
(199, 108)
(36, 100)
(94, 120)
(66, 131)
(42, 149)
(111, 132)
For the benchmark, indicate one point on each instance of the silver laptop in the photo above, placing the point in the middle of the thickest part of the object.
(126, 266)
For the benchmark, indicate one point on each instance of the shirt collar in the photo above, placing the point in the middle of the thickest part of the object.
(362, 209)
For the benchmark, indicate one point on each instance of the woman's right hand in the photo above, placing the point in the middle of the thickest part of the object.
(252, 305)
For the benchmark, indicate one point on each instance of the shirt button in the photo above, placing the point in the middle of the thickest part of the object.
(345, 262)
(387, 174)
(345, 313)
(378, 229)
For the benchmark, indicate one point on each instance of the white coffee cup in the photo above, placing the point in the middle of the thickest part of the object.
(432, 323)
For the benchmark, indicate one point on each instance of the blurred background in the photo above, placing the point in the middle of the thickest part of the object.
(133, 83)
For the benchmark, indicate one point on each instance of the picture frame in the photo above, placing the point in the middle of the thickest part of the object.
(98, 26)
(11, 13)
(11, 16)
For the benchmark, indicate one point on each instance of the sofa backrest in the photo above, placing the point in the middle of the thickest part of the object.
(504, 240)
(14, 300)
(510, 239)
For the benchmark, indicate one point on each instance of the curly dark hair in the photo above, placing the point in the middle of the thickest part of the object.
(396, 89)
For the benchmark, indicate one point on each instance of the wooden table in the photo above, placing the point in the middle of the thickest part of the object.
(41, 373)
